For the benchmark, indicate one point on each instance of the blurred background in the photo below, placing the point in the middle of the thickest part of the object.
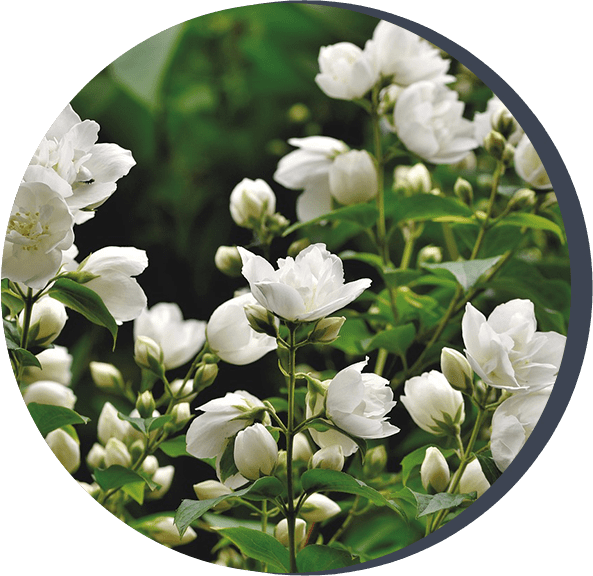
(202, 106)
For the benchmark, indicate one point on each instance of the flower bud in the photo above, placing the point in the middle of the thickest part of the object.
(276, 223)
(117, 453)
(329, 458)
(136, 448)
(255, 452)
(318, 508)
(211, 489)
(327, 330)
(430, 255)
(91, 489)
(494, 144)
(164, 477)
(228, 260)
(110, 425)
(298, 246)
(260, 319)
(280, 469)
(413, 179)
(353, 177)
(502, 121)
(464, 191)
(523, 198)
(550, 200)
(150, 465)
(106, 376)
(473, 479)
(281, 532)
(183, 391)
(434, 471)
(164, 531)
(65, 448)
(508, 154)
(250, 201)
(457, 370)
(205, 376)
(96, 456)
(375, 461)
(181, 414)
(48, 318)
(52, 393)
(148, 355)
(230, 558)
(145, 404)
(301, 449)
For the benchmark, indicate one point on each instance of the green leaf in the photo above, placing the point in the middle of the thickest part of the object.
(260, 546)
(466, 273)
(372, 259)
(429, 207)
(363, 215)
(415, 458)
(131, 482)
(146, 425)
(354, 334)
(11, 299)
(534, 221)
(175, 447)
(395, 340)
(135, 490)
(85, 302)
(189, 511)
(25, 357)
(322, 425)
(489, 467)
(429, 504)
(317, 558)
(318, 480)
(48, 418)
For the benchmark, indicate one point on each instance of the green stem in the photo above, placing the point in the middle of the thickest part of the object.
(27, 311)
(348, 520)
(290, 433)
(450, 242)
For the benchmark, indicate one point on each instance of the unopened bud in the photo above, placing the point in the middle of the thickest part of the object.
(508, 155)
(163, 477)
(148, 355)
(328, 458)
(181, 414)
(211, 489)
(430, 255)
(550, 200)
(457, 370)
(150, 465)
(137, 449)
(413, 179)
(301, 449)
(523, 198)
(276, 223)
(494, 144)
(65, 448)
(318, 508)
(298, 246)
(281, 532)
(164, 531)
(117, 453)
(48, 317)
(183, 391)
(327, 330)
(145, 404)
(434, 471)
(375, 461)
(96, 456)
(255, 452)
(106, 376)
(260, 319)
(205, 376)
(228, 260)
(464, 191)
(503, 121)
(251, 200)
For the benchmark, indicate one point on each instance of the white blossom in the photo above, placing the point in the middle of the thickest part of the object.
(231, 337)
(483, 122)
(48, 318)
(434, 470)
(65, 448)
(414, 179)
(106, 376)
(164, 531)
(255, 452)
(529, 165)
(52, 393)
(281, 531)
(353, 177)
(304, 289)
(56, 365)
(430, 399)
(507, 352)
(116, 453)
(179, 339)
(473, 479)
(328, 458)
(318, 508)
(164, 477)
(428, 119)
(250, 201)
(110, 425)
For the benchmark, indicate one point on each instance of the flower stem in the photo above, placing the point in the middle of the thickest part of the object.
(290, 433)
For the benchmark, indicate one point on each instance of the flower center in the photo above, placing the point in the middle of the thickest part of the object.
(25, 229)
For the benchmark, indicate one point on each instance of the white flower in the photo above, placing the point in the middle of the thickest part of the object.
(179, 339)
(52, 393)
(473, 479)
(65, 448)
(231, 337)
(513, 422)
(211, 489)
(301, 449)
(353, 177)
(48, 318)
(255, 452)
(250, 201)
(308, 169)
(318, 508)
(106, 376)
(346, 71)
(209, 432)
(115, 267)
(405, 56)
(228, 260)
(434, 470)
(39, 230)
(529, 165)
(110, 425)
(148, 354)
(164, 531)
(281, 531)
(304, 289)
(116, 453)
(430, 399)
(164, 477)
(91, 170)
(414, 179)
(483, 122)
(429, 120)
(507, 352)
(328, 458)
(358, 403)
(456, 369)
(96, 456)
(55, 365)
